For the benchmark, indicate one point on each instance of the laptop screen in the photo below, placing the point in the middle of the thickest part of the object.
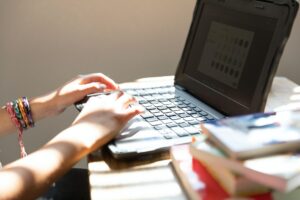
(229, 50)
(226, 53)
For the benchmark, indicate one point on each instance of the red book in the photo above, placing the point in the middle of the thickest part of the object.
(197, 181)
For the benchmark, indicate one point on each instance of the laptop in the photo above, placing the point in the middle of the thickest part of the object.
(227, 66)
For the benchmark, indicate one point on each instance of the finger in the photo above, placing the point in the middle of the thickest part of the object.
(133, 111)
(93, 87)
(126, 99)
(98, 77)
(116, 94)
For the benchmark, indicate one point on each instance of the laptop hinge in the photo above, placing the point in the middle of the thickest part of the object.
(179, 88)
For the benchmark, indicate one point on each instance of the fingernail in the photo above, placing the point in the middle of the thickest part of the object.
(141, 109)
(101, 86)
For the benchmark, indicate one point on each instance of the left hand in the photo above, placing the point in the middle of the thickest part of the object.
(73, 91)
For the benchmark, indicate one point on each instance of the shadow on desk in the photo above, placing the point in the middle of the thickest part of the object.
(146, 177)
(119, 164)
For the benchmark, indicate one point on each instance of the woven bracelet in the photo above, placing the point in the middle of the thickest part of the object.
(28, 111)
(11, 111)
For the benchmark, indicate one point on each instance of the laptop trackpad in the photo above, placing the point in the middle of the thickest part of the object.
(139, 135)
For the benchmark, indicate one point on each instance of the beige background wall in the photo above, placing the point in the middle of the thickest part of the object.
(44, 43)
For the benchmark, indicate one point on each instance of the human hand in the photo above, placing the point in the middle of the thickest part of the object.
(103, 117)
(73, 91)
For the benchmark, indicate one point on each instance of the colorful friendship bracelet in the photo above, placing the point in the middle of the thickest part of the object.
(11, 111)
(22, 111)
(13, 117)
(20, 114)
(28, 111)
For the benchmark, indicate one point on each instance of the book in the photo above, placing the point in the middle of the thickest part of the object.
(254, 135)
(182, 164)
(199, 183)
(280, 172)
(234, 184)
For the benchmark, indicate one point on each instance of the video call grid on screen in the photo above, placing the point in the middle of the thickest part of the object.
(225, 53)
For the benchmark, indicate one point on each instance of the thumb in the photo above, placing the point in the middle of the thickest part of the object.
(133, 111)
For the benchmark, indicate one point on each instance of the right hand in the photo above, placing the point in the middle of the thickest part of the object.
(107, 115)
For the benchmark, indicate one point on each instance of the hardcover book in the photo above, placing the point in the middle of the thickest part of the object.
(198, 181)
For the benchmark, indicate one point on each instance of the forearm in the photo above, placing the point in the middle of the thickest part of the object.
(39, 110)
(41, 168)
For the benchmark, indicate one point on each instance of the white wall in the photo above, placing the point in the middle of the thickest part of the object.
(44, 43)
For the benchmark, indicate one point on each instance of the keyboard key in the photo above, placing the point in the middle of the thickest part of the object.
(168, 134)
(179, 121)
(166, 111)
(158, 114)
(186, 102)
(174, 117)
(194, 122)
(184, 124)
(162, 117)
(203, 113)
(209, 117)
(189, 119)
(171, 106)
(170, 125)
(147, 115)
(167, 121)
(151, 119)
(159, 127)
(179, 112)
(143, 101)
(201, 119)
(175, 109)
(150, 107)
(197, 109)
(155, 123)
(183, 115)
(180, 131)
(191, 112)
(192, 130)
(153, 111)
(192, 106)
(170, 114)
(181, 106)
(162, 107)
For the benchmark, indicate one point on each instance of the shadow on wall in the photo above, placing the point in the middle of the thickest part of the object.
(290, 61)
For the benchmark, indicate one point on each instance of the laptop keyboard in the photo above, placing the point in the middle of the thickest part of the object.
(168, 113)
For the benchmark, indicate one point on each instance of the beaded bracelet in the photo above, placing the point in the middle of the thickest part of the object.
(20, 114)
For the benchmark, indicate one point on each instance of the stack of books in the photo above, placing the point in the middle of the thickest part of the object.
(243, 156)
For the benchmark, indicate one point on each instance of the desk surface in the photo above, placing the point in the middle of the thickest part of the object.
(152, 177)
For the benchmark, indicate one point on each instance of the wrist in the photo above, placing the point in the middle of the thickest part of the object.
(43, 107)
(86, 136)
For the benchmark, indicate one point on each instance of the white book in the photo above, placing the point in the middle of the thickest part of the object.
(255, 135)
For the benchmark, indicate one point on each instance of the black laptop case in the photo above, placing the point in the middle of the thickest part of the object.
(233, 50)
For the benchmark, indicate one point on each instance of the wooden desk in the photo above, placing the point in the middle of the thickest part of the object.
(151, 177)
